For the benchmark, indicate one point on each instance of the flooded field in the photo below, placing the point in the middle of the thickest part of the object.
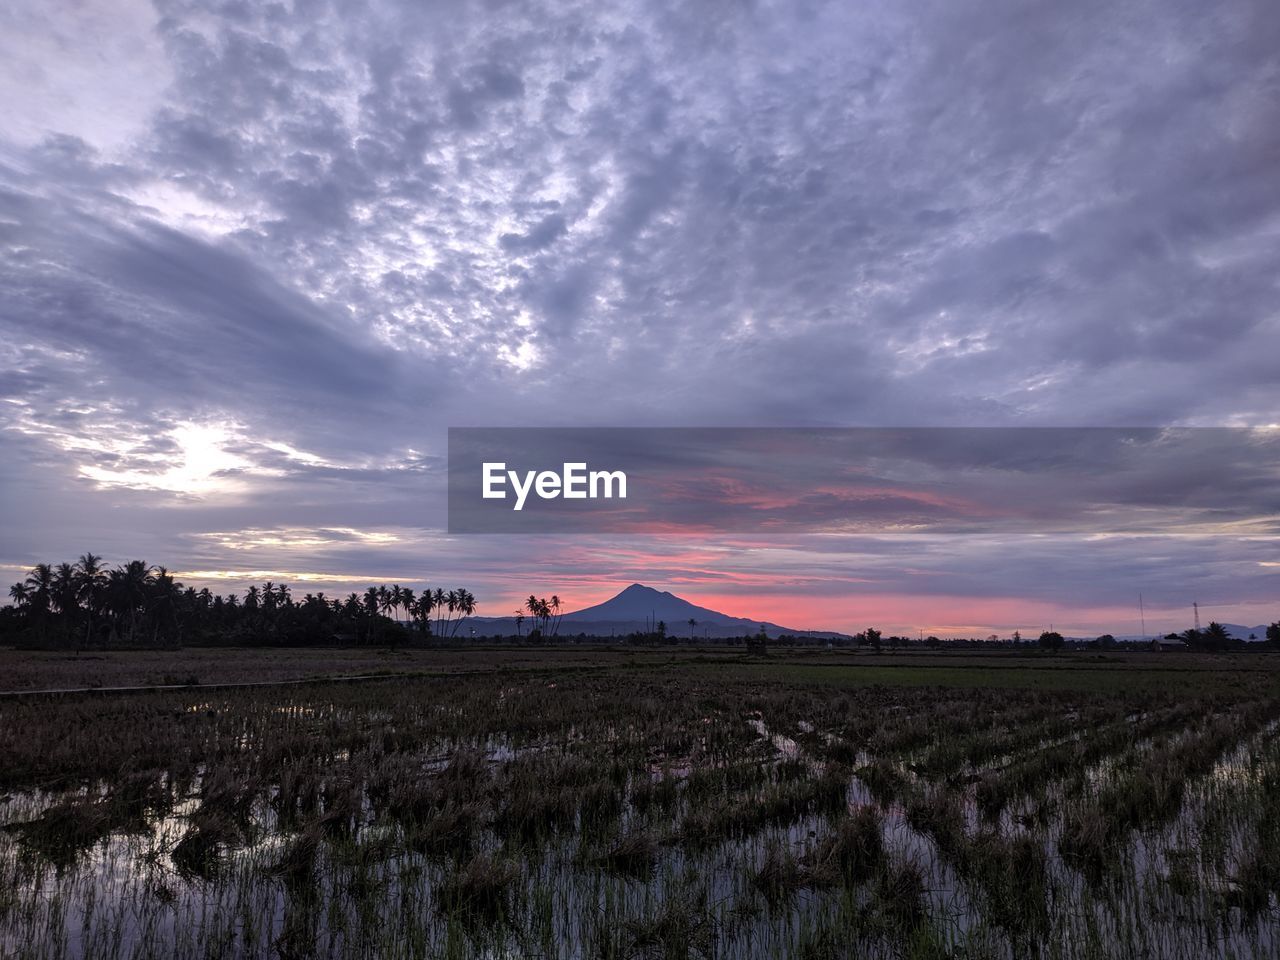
(643, 812)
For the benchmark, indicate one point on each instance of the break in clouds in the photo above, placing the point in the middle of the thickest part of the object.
(256, 259)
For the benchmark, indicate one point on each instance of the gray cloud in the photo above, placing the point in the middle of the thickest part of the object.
(312, 237)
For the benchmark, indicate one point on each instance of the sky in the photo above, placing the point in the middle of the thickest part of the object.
(257, 258)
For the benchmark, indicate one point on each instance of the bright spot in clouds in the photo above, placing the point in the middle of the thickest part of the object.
(199, 467)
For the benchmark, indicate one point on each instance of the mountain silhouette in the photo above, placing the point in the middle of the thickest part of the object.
(638, 602)
(639, 608)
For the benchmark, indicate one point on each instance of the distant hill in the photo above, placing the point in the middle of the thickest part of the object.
(638, 608)
(1242, 633)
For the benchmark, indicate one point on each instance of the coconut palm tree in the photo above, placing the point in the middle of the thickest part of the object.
(438, 600)
(40, 582)
(555, 612)
(165, 595)
(422, 611)
(540, 609)
(65, 600)
(39, 588)
(127, 591)
(369, 603)
(451, 605)
(91, 582)
(465, 605)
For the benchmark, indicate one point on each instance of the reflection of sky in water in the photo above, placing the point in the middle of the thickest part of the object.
(94, 906)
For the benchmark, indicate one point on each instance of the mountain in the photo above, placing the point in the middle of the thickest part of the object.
(1242, 633)
(639, 608)
(639, 602)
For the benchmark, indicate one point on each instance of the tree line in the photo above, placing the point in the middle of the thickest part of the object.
(85, 604)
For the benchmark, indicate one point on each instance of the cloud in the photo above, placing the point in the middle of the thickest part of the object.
(338, 229)
(539, 237)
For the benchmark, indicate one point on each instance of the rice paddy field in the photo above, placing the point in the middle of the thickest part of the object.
(664, 804)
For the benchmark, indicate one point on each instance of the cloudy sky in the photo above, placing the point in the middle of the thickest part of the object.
(257, 258)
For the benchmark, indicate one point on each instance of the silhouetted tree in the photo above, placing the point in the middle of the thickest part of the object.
(1051, 640)
(1214, 637)
(873, 638)
(553, 609)
(82, 602)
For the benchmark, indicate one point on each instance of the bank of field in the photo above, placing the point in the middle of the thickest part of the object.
(655, 805)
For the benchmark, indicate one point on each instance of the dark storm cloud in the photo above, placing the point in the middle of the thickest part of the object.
(325, 232)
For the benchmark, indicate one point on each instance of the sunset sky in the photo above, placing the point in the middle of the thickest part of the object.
(255, 259)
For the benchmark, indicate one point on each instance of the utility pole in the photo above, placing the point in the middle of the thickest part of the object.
(1196, 607)
(1143, 615)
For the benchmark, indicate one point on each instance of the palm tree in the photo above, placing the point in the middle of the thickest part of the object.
(20, 593)
(555, 611)
(1216, 636)
(540, 609)
(165, 594)
(351, 606)
(692, 624)
(465, 604)
(65, 598)
(371, 601)
(91, 580)
(40, 582)
(438, 600)
(39, 585)
(519, 620)
(426, 603)
(451, 604)
(128, 589)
